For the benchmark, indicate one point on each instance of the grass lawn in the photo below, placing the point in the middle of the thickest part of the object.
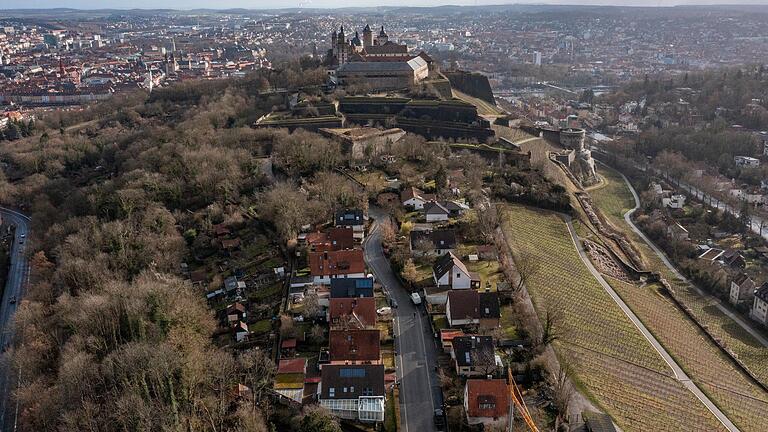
(439, 322)
(259, 327)
(488, 271)
(613, 362)
(267, 292)
(424, 272)
(373, 180)
(290, 380)
(508, 323)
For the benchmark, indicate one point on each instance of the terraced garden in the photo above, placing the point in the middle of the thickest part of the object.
(614, 200)
(614, 363)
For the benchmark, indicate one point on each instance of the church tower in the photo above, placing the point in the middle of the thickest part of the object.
(343, 47)
(367, 36)
(382, 38)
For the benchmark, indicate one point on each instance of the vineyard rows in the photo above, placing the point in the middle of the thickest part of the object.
(615, 199)
(591, 319)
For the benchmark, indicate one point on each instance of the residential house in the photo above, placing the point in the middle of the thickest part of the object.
(354, 219)
(232, 285)
(742, 289)
(674, 202)
(759, 310)
(449, 272)
(351, 287)
(455, 209)
(338, 238)
(446, 338)
(290, 378)
(469, 308)
(442, 241)
(325, 266)
(235, 312)
(355, 347)
(486, 400)
(414, 198)
(353, 392)
(597, 422)
(677, 231)
(746, 161)
(475, 356)
(436, 212)
(733, 259)
(241, 331)
(355, 313)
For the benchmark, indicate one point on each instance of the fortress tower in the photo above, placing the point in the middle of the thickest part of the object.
(584, 166)
(367, 36)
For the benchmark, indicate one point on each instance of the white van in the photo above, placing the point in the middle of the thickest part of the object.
(416, 298)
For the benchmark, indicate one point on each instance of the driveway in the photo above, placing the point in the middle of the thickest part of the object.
(18, 276)
(416, 358)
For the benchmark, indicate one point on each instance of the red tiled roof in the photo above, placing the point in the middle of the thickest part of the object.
(355, 345)
(341, 238)
(231, 244)
(487, 398)
(447, 335)
(289, 343)
(336, 262)
(297, 365)
(364, 310)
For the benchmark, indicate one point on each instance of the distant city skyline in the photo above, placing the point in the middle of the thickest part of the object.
(267, 4)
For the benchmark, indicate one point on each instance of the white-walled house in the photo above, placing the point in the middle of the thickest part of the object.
(742, 289)
(759, 310)
(436, 212)
(414, 198)
(450, 272)
(674, 202)
(746, 161)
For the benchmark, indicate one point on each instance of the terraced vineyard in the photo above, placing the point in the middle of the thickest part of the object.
(743, 402)
(614, 200)
(617, 366)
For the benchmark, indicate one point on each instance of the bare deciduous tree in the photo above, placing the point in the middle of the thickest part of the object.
(562, 391)
(527, 267)
(553, 319)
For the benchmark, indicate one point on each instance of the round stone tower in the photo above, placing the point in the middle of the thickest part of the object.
(572, 138)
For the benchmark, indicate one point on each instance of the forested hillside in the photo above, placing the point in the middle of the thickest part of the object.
(109, 337)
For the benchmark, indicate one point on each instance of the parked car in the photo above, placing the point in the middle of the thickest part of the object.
(439, 419)
(416, 298)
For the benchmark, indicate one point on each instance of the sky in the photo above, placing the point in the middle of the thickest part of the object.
(271, 4)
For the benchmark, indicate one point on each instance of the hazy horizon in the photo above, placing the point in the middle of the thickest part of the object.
(331, 4)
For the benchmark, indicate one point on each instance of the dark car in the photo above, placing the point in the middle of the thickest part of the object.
(439, 419)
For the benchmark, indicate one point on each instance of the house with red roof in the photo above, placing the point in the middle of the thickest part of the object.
(486, 401)
(289, 380)
(355, 347)
(354, 313)
(328, 265)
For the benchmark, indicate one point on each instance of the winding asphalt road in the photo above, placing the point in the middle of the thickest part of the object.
(18, 276)
(416, 351)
